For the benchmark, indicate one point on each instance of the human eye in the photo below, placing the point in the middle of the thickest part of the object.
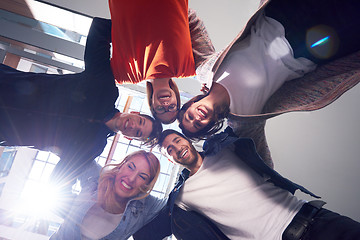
(138, 133)
(140, 121)
(142, 177)
(160, 109)
(190, 117)
(131, 166)
(169, 150)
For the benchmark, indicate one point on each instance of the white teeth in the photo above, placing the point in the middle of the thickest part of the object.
(126, 123)
(125, 185)
(202, 113)
(183, 153)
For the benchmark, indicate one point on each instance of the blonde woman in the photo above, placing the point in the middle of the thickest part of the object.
(116, 205)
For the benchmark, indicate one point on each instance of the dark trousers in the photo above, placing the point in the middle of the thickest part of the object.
(307, 22)
(332, 226)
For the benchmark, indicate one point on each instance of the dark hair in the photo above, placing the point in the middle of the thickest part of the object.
(211, 128)
(150, 92)
(157, 128)
(166, 133)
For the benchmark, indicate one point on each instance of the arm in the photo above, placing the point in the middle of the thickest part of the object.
(158, 228)
(202, 46)
(193, 225)
(97, 49)
(255, 129)
(90, 176)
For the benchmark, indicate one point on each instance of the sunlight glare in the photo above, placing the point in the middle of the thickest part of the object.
(38, 199)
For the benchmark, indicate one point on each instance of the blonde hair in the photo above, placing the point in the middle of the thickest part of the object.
(107, 197)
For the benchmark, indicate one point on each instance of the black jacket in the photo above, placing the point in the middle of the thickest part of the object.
(62, 113)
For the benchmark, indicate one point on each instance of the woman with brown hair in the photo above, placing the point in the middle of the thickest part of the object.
(116, 205)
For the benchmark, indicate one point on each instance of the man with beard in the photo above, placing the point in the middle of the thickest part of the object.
(231, 185)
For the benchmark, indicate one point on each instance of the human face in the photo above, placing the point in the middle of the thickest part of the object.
(134, 125)
(132, 175)
(180, 150)
(165, 104)
(197, 116)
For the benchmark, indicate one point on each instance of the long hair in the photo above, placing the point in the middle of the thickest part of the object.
(107, 197)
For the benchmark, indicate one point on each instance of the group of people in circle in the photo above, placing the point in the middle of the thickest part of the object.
(275, 65)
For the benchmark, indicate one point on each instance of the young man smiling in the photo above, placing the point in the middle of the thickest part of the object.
(71, 115)
(230, 185)
(134, 125)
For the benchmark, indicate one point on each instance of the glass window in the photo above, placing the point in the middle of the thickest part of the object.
(2, 185)
(6, 161)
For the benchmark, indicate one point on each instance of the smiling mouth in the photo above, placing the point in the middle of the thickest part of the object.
(126, 185)
(183, 153)
(164, 95)
(202, 113)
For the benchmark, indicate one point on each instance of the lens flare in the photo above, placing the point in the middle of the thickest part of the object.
(38, 199)
(320, 42)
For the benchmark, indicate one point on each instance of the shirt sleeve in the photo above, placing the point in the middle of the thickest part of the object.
(90, 176)
(202, 46)
(155, 205)
(97, 49)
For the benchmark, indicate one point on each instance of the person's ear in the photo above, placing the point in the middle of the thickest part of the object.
(149, 93)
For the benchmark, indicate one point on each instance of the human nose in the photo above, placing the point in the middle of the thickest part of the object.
(177, 148)
(132, 177)
(131, 124)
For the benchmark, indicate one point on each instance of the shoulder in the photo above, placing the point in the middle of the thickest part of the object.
(147, 207)
(70, 229)
(154, 203)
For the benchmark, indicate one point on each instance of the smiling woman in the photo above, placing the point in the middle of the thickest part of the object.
(118, 204)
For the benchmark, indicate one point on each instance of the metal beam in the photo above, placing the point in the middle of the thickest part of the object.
(39, 58)
(42, 40)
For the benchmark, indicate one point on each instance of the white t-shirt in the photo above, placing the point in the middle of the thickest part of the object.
(258, 65)
(240, 202)
(98, 223)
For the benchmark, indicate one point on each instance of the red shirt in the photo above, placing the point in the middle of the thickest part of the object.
(151, 39)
